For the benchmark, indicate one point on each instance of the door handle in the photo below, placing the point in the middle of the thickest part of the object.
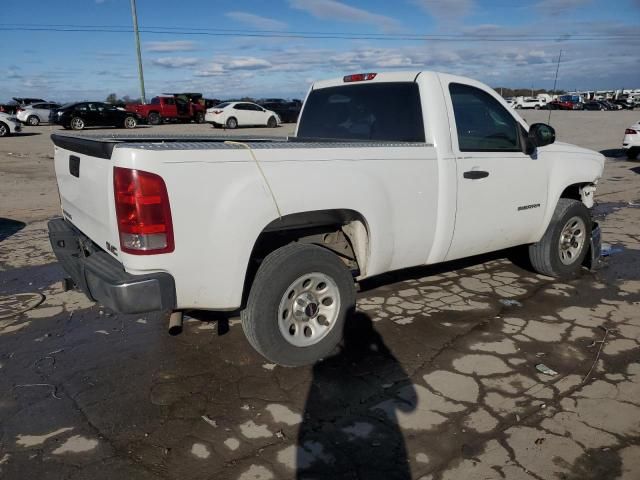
(475, 174)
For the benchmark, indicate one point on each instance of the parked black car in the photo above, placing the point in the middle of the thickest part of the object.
(287, 111)
(595, 105)
(624, 104)
(92, 114)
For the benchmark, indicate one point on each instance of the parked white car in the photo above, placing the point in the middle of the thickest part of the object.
(386, 171)
(631, 141)
(36, 113)
(9, 124)
(241, 114)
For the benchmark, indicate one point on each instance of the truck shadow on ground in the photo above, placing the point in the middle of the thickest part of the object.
(9, 227)
(338, 428)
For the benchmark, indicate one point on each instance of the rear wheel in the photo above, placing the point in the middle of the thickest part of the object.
(130, 122)
(298, 304)
(154, 118)
(33, 120)
(4, 129)
(563, 247)
(232, 123)
(632, 153)
(77, 123)
(199, 117)
(272, 122)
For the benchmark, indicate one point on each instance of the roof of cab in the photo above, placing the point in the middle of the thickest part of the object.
(381, 77)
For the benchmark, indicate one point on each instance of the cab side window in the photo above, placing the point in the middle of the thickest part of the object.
(482, 123)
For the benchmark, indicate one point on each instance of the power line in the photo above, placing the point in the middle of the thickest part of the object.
(327, 35)
(124, 28)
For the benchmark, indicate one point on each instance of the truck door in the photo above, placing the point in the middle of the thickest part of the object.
(169, 109)
(501, 191)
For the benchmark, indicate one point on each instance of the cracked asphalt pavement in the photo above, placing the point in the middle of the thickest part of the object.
(476, 369)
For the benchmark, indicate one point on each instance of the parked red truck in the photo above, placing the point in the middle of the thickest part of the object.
(183, 107)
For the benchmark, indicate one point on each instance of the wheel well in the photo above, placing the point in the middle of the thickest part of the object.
(573, 191)
(342, 231)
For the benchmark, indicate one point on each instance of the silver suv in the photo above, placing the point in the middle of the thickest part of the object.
(35, 113)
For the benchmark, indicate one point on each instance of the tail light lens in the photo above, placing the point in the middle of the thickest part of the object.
(630, 131)
(143, 212)
(359, 77)
(217, 112)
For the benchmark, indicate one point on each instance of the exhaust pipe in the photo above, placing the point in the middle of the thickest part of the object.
(175, 323)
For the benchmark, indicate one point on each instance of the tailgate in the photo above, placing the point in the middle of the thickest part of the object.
(84, 172)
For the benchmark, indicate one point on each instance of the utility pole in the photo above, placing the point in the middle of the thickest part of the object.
(134, 14)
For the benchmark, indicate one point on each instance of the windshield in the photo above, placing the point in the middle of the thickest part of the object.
(377, 111)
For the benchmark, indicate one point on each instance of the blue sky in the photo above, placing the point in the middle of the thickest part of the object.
(187, 46)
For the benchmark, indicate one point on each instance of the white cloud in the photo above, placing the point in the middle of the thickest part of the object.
(256, 21)
(175, 62)
(446, 9)
(172, 46)
(225, 65)
(248, 63)
(334, 10)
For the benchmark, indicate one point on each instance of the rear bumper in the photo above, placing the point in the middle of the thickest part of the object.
(103, 279)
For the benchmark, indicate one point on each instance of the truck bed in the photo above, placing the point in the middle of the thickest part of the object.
(102, 145)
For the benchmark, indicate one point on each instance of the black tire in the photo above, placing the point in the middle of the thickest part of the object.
(537, 107)
(154, 118)
(4, 130)
(272, 122)
(545, 256)
(130, 122)
(199, 117)
(276, 274)
(33, 120)
(632, 153)
(77, 123)
(232, 123)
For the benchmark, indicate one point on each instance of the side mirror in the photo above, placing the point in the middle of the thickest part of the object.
(540, 134)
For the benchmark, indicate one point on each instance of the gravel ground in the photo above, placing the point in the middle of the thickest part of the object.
(438, 380)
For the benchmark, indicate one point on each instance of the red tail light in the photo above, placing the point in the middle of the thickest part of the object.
(143, 212)
(630, 131)
(359, 77)
(217, 112)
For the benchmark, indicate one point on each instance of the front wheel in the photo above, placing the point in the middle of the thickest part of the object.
(565, 244)
(298, 305)
(272, 122)
(632, 153)
(77, 123)
(4, 130)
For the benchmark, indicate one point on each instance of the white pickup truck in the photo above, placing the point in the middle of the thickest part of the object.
(386, 171)
(530, 102)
